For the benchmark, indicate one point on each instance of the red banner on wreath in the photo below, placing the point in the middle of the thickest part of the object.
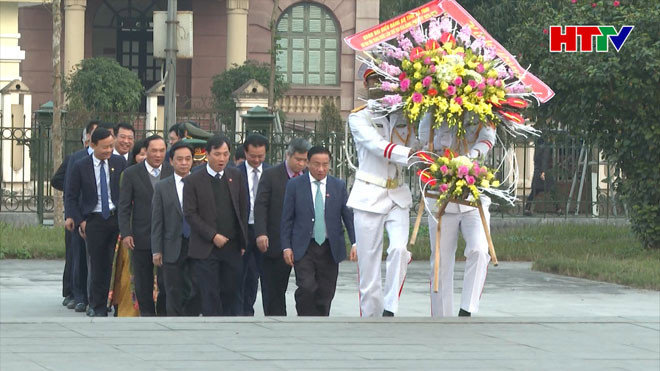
(388, 30)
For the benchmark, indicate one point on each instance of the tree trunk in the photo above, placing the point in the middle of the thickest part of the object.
(273, 57)
(56, 133)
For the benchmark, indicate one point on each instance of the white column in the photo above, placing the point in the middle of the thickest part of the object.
(74, 33)
(237, 15)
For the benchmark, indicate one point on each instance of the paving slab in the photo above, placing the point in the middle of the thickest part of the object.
(528, 320)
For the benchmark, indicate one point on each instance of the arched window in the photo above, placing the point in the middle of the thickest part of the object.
(308, 39)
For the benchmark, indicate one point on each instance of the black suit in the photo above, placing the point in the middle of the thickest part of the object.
(81, 200)
(137, 192)
(167, 238)
(57, 182)
(213, 206)
(267, 218)
(252, 259)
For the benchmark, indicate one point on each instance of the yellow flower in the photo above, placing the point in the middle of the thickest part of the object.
(444, 85)
(485, 183)
(433, 168)
(496, 183)
(500, 93)
(453, 107)
(418, 66)
(460, 50)
(419, 87)
(417, 75)
(405, 64)
(467, 89)
(492, 73)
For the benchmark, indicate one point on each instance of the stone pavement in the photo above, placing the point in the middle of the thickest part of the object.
(528, 320)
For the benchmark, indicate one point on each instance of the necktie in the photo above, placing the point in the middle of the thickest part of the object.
(185, 231)
(255, 182)
(218, 176)
(105, 204)
(319, 215)
(155, 172)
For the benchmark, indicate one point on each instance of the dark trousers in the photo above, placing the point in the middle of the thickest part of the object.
(143, 278)
(182, 298)
(274, 285)
(217, 277)
(316, 278)
(67, 275)
(79, 272)
(252, 273)
(101, 240)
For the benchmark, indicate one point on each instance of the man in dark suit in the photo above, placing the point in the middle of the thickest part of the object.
(170, 234)
(255, 146)
(96, 180)
(215, 206)
(77, 256)
(312, 234)
(137, 191)
(267, 218)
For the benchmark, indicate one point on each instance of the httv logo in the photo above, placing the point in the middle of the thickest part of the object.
(568, 38)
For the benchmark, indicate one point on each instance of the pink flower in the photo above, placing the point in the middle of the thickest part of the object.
(417, 97)
(427, 60)
(574, 1)
(444, 169)
(451, 90)
(405, 84)
(458, 100)
(480, 94)
(490, 81)
(498, 83)
(616, 3)
(392, 99)
(462, 171)
(593, 5)
(476, 169)
(388, 86)
(480, 68)
(481, 86)
(427, 81)
(469, 179)
(545, 31)
(444, 187)
(458, 81)
(472, 84)
(432, 68)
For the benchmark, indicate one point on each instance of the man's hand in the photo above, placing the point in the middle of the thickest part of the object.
(219, 240)
(69, 224)
(262, 243)
(288, 256)
(474, 154)
(353, 255)
(81, 229)
(242, 252)
(128, 242)
(542, 176)
(158, 259)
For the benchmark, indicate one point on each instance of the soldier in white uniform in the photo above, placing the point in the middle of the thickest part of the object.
(476, 143)
(380, 200)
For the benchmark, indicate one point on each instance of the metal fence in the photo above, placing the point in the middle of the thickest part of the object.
(582, 182)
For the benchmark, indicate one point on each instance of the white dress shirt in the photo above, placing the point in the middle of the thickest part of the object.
(178, 182)
(213, 172)
(97, 175)
(125, 156)
(253, 196)
(150, 169)
(314, 187)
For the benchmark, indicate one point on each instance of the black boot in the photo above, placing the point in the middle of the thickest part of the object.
(387, 313)
(464, 313)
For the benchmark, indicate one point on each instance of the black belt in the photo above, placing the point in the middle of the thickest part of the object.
(113, 212)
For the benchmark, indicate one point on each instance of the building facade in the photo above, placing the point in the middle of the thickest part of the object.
(311, 53)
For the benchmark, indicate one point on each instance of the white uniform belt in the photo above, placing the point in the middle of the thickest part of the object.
(389, 183)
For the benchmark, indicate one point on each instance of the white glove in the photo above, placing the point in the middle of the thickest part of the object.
(474, 154)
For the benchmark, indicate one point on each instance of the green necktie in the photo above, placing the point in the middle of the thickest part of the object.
(319, 215)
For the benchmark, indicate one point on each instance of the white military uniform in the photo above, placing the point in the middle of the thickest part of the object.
(478, 140)
(381, 200)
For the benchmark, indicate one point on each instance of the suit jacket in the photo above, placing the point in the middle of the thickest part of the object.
(58, 179)
(135, 203)
(268, 207)
(81, 195)
(166, 220)
(298, 217)
(67, 166)
(243, 167)
(199, 210)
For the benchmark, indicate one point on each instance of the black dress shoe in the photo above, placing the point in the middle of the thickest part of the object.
(80, 307)
(387, 313)
(71, 305)
(67, 300)
(92, 313)
(464, 313)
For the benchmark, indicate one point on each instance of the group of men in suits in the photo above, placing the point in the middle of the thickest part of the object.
(211, 233)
